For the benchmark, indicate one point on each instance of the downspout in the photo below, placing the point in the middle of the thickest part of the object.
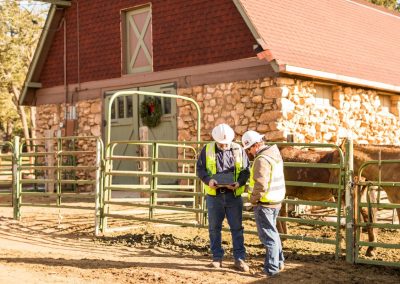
(65, 71)
(78, 43)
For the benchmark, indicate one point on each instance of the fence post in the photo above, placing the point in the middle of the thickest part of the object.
(154, 180)
(144, 152)
(349, 199)
(99, 188)
(16, 179)
(106, 192)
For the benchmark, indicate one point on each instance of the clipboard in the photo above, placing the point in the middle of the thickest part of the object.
(223, 179)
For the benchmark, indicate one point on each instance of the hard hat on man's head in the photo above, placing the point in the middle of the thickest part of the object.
(223, 134)
(251, 137)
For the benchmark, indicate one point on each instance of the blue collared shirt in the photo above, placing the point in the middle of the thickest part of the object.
(225, 164)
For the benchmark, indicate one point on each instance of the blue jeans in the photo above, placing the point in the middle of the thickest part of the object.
(269, 237)
(219, 206)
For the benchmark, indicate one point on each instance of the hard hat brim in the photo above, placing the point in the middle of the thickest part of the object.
(259, 139)
(227, 140)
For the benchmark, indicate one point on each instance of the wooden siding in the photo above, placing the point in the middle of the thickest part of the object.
(185, 33)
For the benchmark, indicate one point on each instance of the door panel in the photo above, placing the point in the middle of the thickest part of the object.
(124, 127)
(166, 130)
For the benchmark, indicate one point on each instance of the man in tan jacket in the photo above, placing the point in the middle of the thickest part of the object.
(266, 192)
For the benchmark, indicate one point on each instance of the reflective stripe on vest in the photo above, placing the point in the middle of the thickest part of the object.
(211, 166)
(275, 191)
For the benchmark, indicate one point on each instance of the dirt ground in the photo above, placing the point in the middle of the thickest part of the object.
(58, 246)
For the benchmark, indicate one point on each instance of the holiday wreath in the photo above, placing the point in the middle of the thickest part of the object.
(150, 111)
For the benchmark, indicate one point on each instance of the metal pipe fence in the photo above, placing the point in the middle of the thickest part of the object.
(190, 197)
(60, 171)
(165, 189)
(154, 186)
(371, 223)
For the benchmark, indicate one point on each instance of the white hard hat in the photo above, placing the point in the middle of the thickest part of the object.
(223, 133)
(251, 137)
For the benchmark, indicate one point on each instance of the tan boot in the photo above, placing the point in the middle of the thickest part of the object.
(241, 265)
(216, 264)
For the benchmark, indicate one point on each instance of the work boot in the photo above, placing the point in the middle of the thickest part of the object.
(216, 264)
(241, 265)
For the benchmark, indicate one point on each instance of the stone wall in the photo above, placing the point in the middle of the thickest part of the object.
(243, 105)
(355, 112)
(88, 112)
(279, 106)
(88, 123)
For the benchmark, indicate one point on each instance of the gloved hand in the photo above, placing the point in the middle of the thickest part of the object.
(212, 183)
(233, 186)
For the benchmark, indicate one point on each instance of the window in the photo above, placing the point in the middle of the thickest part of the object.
(385, 103)
(122, 107)
(138, 49)
(323, 95)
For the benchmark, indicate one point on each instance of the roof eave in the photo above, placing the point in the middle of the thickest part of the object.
(290, 69)
(60, 3)
(32, 67)
(296, 70)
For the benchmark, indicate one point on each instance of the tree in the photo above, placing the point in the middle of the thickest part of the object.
(20, 29)
(390, 4)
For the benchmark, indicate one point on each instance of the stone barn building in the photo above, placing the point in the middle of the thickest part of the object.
(320, 70)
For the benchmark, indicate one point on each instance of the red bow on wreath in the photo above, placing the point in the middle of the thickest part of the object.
(151, 112)
(151, 108)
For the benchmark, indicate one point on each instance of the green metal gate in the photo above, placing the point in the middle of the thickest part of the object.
(58, 173)
(161, 202)
(150, 192)
(360, 225)
(336, 184)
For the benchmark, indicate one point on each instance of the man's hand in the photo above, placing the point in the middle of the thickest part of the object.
(212, 183)
(233, 186)
(248, 206)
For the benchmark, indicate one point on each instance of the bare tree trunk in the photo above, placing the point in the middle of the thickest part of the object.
(33, 126)
(33, 133)
(22, 114)
(25, 127)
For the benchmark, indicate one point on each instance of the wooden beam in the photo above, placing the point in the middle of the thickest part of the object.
(35, 85)
(61, 3)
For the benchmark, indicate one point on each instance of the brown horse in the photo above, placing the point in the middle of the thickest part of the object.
(320, 175)
(389, 172)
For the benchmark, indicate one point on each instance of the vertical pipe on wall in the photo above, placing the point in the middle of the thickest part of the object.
(78, 46)
(65, 62)
(65, 70)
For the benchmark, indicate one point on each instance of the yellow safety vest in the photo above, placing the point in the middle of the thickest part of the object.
(211, 166)
(275, 191)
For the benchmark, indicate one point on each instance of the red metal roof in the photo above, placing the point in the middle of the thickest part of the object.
(343, 37)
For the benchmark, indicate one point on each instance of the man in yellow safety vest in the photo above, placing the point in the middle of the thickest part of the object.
(266, 192)
(223, 167)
